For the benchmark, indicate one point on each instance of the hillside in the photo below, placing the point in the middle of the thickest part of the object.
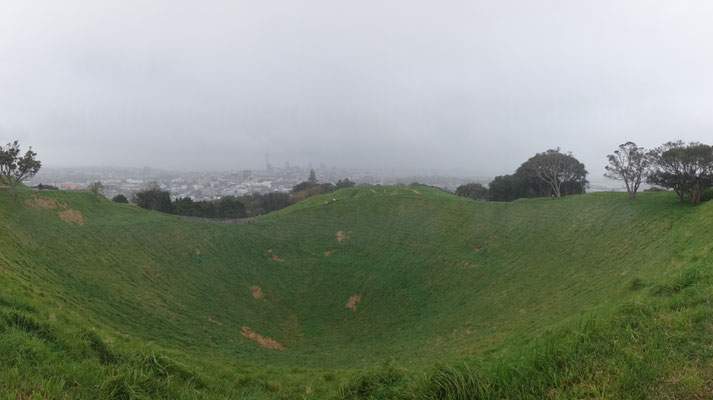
(361, 296)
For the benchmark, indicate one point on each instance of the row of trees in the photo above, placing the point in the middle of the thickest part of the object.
(686, 168)
(550, 173)
(157, 199)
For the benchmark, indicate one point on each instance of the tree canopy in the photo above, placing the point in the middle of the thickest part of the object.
(557, 170)
(15, 168)
(154, 198)
(474, 191)
(685, 168)
(312, 180)
(96, 188)
(120, 198)
(630, 164)
(344, 183)
(545, 174)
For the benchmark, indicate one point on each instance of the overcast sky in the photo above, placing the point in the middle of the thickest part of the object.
(477, 85)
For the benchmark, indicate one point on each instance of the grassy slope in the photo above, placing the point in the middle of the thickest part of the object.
(441, 279)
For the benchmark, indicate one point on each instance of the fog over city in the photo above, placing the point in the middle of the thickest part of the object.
(473, 86)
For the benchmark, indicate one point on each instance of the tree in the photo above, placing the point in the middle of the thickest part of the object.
(509, 188)
(630, 164)
(555, 169)
(344, 183)
(312, 180)
(275, 201)
(301, 186)
(474, 191)
(120, 198)
(685, 168)
(184, 206)
(153, 198)
(96, 188)
(328, 187)
(15, 169)
(230, 207)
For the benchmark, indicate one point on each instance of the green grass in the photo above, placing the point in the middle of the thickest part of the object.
(591, 296)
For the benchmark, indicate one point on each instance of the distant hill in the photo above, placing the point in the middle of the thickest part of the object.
(388, 292)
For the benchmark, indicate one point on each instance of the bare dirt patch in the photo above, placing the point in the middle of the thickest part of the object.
(341, 235)
(624, 272)
(416, 191)
(39, 202)
(478, 248)
(214, 321)
(66, 214)
(72, 216)
(374, 191)
(328, 253)
(274, 256)
(352, 303)
(198, 251)
(256, 291)
(264, 341)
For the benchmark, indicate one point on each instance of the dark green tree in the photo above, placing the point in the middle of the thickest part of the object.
(274, 201)
(120, 198)
(312, 180)
(344, 183)
(301, 186)
(230, 207)
(185, 206)
(554, 169)
(154, 198)
(474, 191)
(509, 188)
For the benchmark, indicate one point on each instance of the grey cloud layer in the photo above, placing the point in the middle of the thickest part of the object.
(479, 85)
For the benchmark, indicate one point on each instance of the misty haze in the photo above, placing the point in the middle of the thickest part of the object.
(356, 200)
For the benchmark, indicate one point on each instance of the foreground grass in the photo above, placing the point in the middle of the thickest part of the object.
(592, 296)
(657, 346)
